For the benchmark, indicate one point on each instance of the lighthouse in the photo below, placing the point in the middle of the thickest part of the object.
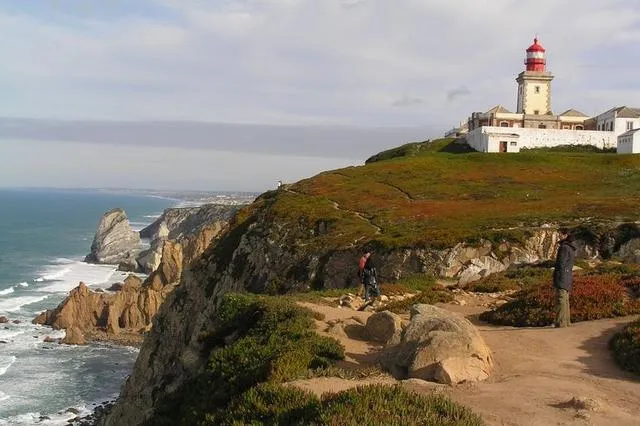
(534, 83)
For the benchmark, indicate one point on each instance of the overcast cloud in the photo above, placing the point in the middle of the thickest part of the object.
(416, 67)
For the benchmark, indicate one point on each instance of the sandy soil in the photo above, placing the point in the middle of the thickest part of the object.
(537, 371)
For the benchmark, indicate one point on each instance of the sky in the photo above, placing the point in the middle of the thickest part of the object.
(261, 90)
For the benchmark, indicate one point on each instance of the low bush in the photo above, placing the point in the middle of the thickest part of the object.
(253, 340)
(593, 297)
(429, 297)
(368, 405)
(512, 279)
(625, 347)
(417, 282)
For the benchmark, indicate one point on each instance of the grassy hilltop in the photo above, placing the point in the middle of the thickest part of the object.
(422, 194)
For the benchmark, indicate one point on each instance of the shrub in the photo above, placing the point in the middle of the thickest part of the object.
(429, 297)
(367, 405)
(593, 297)
(512, 279)
(388, 405)
(272, 405)
(252, 340)
(625, 347)
(417, 282)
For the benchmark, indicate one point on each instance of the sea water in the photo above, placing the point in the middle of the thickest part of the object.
(44, 236)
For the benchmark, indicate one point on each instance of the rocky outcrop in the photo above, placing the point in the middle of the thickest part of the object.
(84, 312)
(87, 314)
(441, 346)
(180, 225)
(176, 223)
(115, 242)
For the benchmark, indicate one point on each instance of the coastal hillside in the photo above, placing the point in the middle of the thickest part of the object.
(436, 210)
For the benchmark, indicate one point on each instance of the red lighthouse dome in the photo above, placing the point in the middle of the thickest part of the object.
(536, 60)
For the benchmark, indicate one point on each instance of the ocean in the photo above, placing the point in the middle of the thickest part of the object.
(44, 235)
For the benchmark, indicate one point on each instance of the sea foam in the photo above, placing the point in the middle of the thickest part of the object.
(5, 363)
(6, 291)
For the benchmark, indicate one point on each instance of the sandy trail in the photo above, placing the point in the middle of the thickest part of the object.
(537, 371)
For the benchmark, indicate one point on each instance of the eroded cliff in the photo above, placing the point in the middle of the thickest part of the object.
(458, 216)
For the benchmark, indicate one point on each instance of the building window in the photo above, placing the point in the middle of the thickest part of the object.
(504, 124)
(629, 125)
(536, 112)
(537, 88)
(579, 127)
(542, 126)
(514, 144)
(566, 127)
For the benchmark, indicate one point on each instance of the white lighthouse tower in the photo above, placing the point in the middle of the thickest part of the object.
(534, 84)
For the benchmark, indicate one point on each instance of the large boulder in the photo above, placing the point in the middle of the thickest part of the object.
(384, 327)
(114, 242)
(440, 346)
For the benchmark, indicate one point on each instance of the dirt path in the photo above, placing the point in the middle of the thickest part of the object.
(537, 372)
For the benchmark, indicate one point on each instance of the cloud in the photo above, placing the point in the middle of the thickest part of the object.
(307, 61)
(407, 100)
(457, 92)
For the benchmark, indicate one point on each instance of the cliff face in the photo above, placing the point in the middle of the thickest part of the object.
(262, 254)
(114, 242)
(181, 225)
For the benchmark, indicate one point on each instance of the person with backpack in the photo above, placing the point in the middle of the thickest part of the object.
(370, 279)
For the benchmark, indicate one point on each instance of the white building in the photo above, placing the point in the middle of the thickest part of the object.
(512, 139)
(629, 142)
(618, 120)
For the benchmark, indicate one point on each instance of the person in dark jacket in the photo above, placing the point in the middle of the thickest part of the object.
(370, 279)
(563, 278)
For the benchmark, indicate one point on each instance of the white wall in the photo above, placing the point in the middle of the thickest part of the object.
(486, 139)
(629, 144)
(620, 125)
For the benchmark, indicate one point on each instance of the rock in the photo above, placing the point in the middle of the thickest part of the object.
(149, 260)
(115, 287)
(114, 242)
(16, 322)
(3, 341)
(439, 345)
(49, 339)
(479, 267)
(176, 223)
(384, 327)
(72, 410)
(584, 403)
(3, 320)
(74, 336)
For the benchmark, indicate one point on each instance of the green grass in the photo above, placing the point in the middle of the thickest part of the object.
(571, 148)
(366, 405)
(433, 199)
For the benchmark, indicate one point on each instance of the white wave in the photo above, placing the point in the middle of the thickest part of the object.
(5, 363)
(23, 284)
(152, 216)
(6, 291)
(56, 275)
(70, 277)
(3, 396)
(63, 261)
(16, 303)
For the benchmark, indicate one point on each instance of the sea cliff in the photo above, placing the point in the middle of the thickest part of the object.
(456, 216)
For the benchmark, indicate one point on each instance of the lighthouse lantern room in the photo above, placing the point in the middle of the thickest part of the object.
(534, 84)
